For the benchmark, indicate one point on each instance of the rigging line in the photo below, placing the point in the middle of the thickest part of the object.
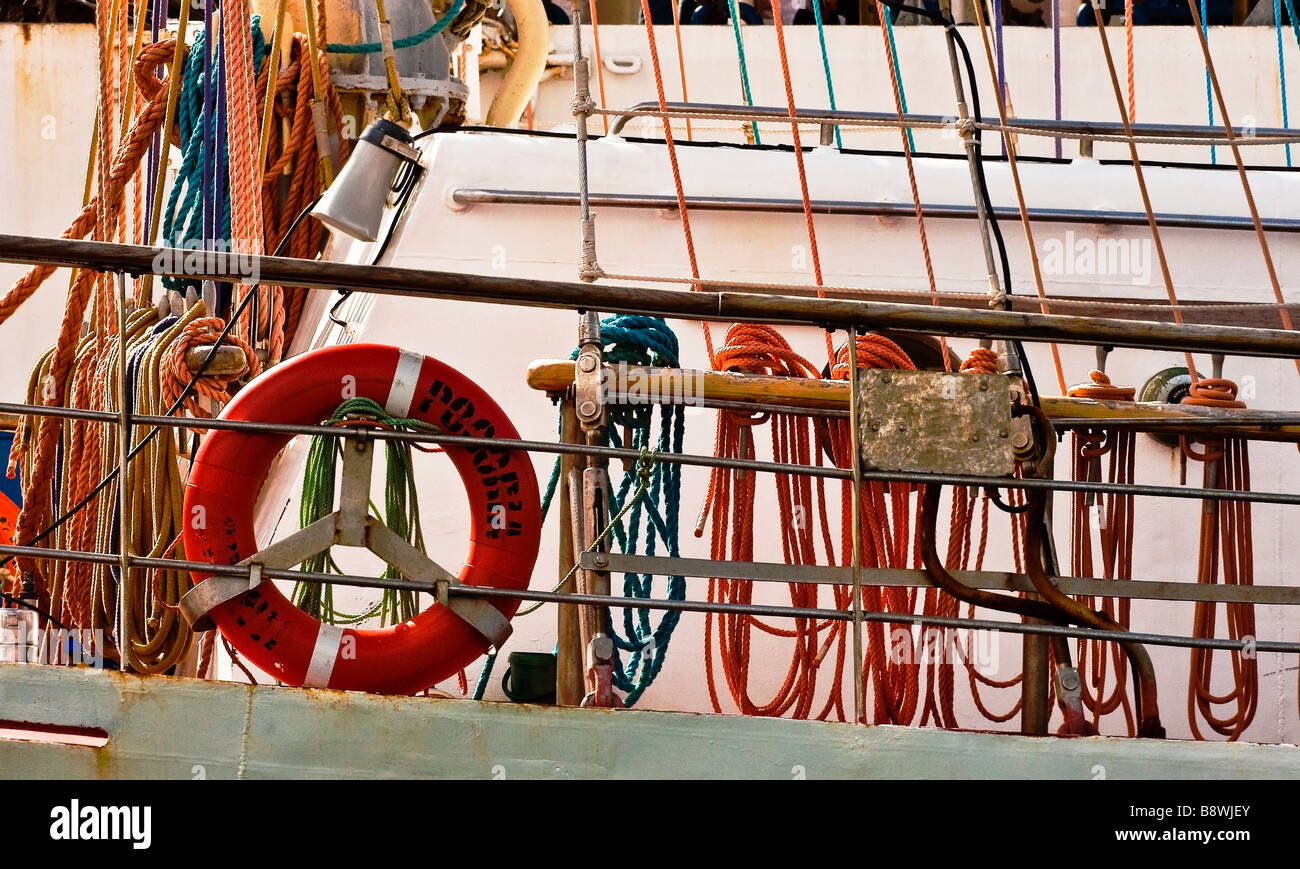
(1209, 101)
(1281, 66)
(1241, 173)
(672, 159)
(798, 156)
(1056, 67)
(1142, 183)
(1020, 199)
(826, 65)
(1128, 57)
(911, 173)
(600, 66)
(744, 71)
(898, 73)
(681, 61)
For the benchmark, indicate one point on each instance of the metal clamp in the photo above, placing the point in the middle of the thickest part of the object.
(588, 377)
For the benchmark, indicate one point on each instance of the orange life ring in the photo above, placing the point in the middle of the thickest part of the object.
(230, 468)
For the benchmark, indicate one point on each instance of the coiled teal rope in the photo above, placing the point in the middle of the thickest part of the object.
(406, 41)
(646, 525)
(401, 515)
(183, 217)
(744, 70)
(826, 65)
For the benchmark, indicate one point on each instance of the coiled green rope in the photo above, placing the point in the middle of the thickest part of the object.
(401, 515)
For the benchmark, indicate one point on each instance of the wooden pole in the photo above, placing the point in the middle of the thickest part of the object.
(570, 680)
(731, 307)
(803, 392)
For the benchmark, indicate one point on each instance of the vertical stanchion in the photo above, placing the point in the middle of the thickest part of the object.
(570, 680)
(123, 486)
(855, 497)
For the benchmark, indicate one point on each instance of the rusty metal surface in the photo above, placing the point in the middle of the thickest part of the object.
(936, 422)
(167, 727)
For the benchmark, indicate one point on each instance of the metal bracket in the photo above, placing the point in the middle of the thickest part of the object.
(588, 378)
(600, 674)
(1069, 689)
(350, 525)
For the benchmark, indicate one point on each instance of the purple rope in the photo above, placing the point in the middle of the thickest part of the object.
(151, 173)
(1056, 65)
(209, 141)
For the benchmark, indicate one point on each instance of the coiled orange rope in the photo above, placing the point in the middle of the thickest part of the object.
(761, 350)
(1114, 545)
(1227, 555)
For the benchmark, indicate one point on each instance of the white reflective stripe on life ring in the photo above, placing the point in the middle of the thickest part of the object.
(402, 393)
(323, 656)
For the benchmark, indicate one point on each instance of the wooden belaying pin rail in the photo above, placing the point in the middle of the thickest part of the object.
(688, 386)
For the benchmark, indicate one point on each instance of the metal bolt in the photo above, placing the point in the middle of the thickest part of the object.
(587, 363)
(984, 386)
(1070, 680)
(886, 378)
(601, 560)
(1002, 433)
(601, 649)
(975, 437)
(587, 408)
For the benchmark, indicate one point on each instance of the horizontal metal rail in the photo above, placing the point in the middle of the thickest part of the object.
(1169, 134)
(477, 196)
(765, 571)
(688, 459)
(701, 305)
(766, 610)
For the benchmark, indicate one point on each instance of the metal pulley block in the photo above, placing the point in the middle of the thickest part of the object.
(589, 377)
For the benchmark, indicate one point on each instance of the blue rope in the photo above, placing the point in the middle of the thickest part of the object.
(639, 340)
(405, 41)
(207, 114)
(744, 71)
(1281, 58)
(484, 675)
(1209, 94)
(826, 65)
(898, 75)
(198, 206)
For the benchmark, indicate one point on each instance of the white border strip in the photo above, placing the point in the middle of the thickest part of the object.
(401, 395)
(323, 655)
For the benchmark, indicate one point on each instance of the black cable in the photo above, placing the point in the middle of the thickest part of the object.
(154, 430)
